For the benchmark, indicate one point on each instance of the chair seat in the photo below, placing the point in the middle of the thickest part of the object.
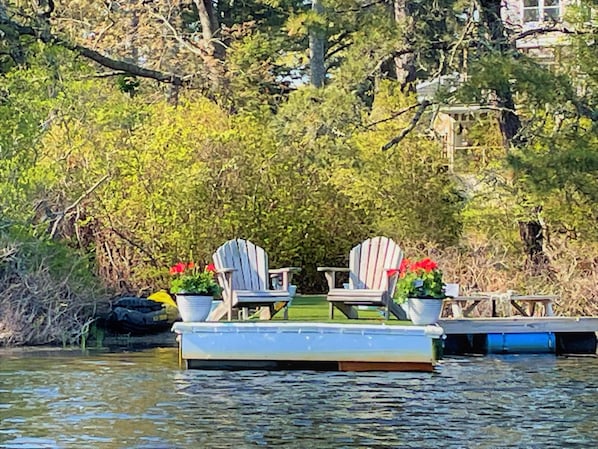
(248, 298)
(358, 296)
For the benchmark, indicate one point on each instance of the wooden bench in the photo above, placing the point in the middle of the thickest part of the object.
(525, 305)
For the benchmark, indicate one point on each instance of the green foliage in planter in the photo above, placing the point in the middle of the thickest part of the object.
(419, 279)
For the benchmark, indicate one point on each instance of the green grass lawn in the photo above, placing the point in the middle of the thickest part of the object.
(315, 308)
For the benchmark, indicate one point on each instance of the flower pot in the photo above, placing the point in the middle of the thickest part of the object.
(194, 307)
(423, 311)
(405, 307)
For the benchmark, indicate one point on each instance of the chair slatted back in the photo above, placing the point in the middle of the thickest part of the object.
(368, 261)
(249, 261)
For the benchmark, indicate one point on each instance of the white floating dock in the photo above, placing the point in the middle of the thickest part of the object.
(307, 345)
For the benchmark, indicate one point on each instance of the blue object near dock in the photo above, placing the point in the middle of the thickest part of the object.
(536, 343)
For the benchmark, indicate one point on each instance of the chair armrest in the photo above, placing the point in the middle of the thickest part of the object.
(281, 277)
(285, 269)
(225, 275)
(334, 269)
(330, 273)
(392, 276)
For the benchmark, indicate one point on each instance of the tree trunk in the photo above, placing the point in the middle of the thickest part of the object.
(531, 232)
(209, 28)
(509, 121)
(404, 65)
(532, 236)
(317, 49)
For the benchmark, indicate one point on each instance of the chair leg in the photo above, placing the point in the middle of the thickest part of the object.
(331, 311)
(266, 312)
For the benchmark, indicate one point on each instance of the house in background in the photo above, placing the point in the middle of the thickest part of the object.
(540, 23)
(469, 133)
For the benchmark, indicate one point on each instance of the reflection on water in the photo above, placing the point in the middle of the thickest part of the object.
(63, 399)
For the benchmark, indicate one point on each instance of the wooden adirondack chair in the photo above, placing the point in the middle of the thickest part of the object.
(242, 270)
(369, 280)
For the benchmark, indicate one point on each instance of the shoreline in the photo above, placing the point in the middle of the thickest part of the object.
(166, 339)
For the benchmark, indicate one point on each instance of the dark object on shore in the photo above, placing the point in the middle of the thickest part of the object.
(139, 316)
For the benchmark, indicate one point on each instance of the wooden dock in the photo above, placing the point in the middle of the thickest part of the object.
(560, 335)
(518, 325)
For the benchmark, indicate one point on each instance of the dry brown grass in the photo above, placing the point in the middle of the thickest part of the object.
(36, 308)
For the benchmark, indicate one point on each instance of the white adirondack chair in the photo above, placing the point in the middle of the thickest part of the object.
(369, 280)
(242, 270)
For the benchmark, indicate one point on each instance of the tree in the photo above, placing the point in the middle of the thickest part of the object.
(317, 48)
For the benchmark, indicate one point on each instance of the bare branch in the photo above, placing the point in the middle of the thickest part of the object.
(393, 116)
(105, 74)
(60, 216)
(113, 64)
(134, 244)
(192, 48)
(361, 7)
(557, 28)
(422, 107)
(95, 56)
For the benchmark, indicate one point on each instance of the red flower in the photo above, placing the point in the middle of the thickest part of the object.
(404, 266)
(426, 265)
(178, 268)
(191, 265)
(211, 268)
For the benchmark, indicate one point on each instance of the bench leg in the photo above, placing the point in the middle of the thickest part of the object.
(457, 310)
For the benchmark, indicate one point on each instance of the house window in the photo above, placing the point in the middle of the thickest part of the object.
(541, 10)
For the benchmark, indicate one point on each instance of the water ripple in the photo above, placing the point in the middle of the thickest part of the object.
(143, 400)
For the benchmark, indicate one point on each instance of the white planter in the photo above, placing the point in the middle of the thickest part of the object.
(405, 307)
(193, 307)
(423, 311)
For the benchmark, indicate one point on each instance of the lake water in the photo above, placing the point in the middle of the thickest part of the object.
(141, 399)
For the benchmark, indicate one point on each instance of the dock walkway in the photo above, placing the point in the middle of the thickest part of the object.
(559, 335)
